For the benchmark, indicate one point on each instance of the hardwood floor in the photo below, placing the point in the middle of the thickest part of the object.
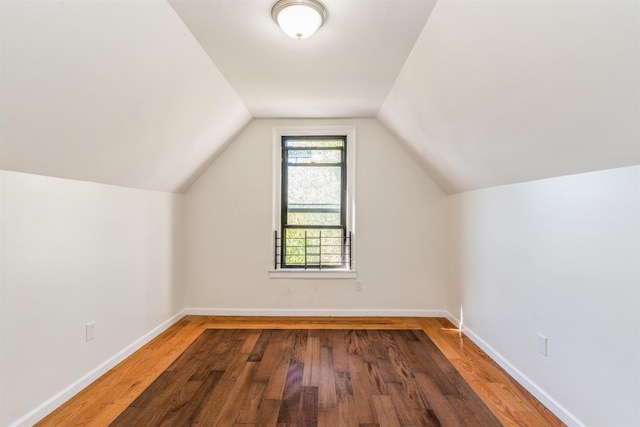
(309, 377)
(104, 400)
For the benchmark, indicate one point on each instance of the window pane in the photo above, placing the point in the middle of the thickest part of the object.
(295, 247)
(312, 142)
(314, 156)
(311, 247)
(313, 207)
(314, 185)
(313, 218)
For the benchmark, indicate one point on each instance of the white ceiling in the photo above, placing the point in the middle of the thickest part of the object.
(346, 69)
(146, 94)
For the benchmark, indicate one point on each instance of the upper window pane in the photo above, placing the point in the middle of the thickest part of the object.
(313, 142)
(313, 218)
(313, 185)
(306, 156)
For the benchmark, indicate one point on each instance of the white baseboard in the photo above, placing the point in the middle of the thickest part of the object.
(548, 401)
(313, 312)
(46, 407)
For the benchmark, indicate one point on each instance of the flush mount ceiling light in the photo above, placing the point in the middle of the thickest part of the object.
(299, 18)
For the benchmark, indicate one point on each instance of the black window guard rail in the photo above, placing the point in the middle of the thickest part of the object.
(310, 249)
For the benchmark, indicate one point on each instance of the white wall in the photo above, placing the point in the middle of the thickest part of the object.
(560, 257)
(75, 252)
(399, 220)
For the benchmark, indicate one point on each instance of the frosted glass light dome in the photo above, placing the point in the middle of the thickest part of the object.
(299, 18)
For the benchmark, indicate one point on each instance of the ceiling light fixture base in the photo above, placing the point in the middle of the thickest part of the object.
(299, 18)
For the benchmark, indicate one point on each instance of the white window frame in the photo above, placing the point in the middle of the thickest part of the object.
(350, 132)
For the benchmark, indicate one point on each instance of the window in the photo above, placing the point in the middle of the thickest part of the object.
(314, 201)
(313, 196)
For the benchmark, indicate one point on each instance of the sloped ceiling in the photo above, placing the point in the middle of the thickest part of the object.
(345, 70)
(145, 94)
(499, 92)
(117, 92)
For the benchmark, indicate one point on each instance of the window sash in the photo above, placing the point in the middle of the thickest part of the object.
(291, 255)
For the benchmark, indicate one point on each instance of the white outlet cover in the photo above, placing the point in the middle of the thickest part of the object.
(90, 331)
(542, 345)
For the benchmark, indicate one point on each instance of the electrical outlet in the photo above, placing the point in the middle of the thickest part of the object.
(542, 345)
(90, 330)
(358, 285)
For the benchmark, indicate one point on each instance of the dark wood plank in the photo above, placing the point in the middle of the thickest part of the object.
(174, 411)
(339, 352)
(365, 411)
(299, 345)
(299, 377)
(347, 411)
(376, 381)
(258, 349)
(191, 410)
(161, 403)
(327, 386)
(156, 387)
(277, 380)
(381, 349)
(248, 413)
(469, 415)
(235, 396)
(308, 413)
(268, 412)
(328, 416)
(386, 412)
(292, 395)
(424, 346)
(343, 384)
(311, 374)
(444, 412)
(408, 414)
(434, 369)
(205, 341)
(272, 355)
(217, 399)
(128, 417)
(363, 340)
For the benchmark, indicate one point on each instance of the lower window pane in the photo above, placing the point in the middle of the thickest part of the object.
(313, 247)
(313, 218)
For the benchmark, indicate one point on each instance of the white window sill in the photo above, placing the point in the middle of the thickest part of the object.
(312, 274)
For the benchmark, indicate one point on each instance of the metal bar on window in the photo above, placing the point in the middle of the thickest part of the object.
(320, 251)
(331, 252)
(275, 250)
